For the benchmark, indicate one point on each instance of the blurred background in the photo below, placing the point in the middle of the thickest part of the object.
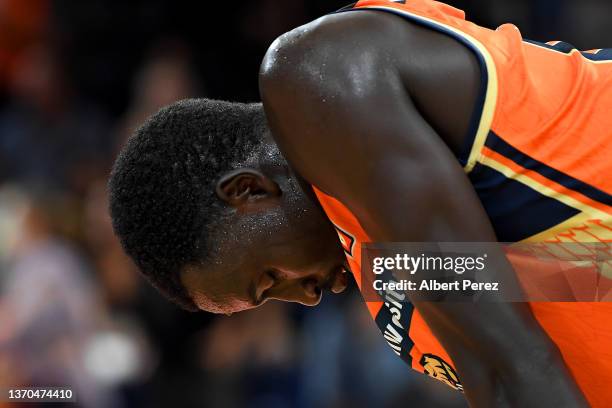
(76, 77)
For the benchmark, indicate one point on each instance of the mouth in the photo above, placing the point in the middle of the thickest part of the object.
(338, 280)
(335, 282)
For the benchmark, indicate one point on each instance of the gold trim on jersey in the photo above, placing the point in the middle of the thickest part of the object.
(571, 53)
(597, 231)
(490, 102)
(542, 189)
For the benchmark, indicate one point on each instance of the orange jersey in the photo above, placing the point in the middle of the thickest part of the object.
(540, 160)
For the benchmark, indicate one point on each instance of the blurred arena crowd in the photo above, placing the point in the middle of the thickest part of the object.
(76, 77)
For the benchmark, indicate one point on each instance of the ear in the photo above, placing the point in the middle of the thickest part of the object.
(240, 186)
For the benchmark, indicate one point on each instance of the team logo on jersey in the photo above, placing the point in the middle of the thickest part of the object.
(437, 368)
(347, 241)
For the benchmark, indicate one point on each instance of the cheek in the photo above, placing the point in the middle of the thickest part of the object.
(290, 238)
(307, 237)
(303, 256)
(265, 227)
(218, 291)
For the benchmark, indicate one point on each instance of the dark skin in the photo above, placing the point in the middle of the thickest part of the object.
(323, 87)
(276, 243)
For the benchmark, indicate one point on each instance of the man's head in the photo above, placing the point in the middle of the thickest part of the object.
(206, 206)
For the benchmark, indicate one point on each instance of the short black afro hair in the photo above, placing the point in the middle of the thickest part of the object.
(162, 186)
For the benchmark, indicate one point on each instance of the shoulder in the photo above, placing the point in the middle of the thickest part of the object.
(358, 57)
(361, 39)
(332, 44)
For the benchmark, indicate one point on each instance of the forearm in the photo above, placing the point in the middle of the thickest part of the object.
(505, 359)
(398, 177)
(540, 385)
(501, 352)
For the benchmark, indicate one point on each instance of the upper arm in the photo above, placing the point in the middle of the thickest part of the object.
(364, 124)
(340, 105)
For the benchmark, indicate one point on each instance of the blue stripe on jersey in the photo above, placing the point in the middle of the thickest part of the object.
(561, 46)
(516, 211)
(397, 336)
(603, 55)
(500, 146)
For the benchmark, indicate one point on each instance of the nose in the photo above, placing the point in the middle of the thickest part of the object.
(304, 291)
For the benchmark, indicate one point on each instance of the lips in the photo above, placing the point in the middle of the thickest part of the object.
(339, 280)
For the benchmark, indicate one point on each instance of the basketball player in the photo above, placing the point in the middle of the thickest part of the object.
(398, 122)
